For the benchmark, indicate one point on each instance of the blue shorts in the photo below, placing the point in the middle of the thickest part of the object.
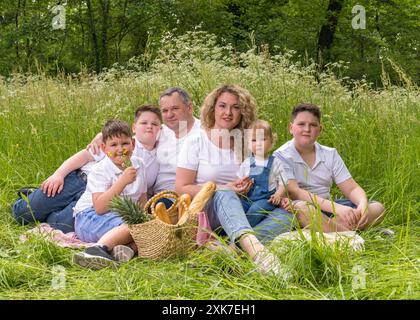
(90, 226)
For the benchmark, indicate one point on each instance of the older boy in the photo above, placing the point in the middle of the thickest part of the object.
(311, 169)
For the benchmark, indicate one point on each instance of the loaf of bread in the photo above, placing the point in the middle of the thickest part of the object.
(184, 203)
(200, 200)
(161, 213)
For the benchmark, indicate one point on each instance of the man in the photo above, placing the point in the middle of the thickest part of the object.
(177, 113)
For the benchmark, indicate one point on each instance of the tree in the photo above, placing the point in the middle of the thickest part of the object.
(326, 35)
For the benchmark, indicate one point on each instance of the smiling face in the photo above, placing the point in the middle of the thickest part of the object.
(227, 112)
(174, 110)
(305, 129)
(118, 149)
(147, 128)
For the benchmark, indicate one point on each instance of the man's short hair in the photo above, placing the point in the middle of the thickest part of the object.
(309, 107)
(183, 95)
(115, 128)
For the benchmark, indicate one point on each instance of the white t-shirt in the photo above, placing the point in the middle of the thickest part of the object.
(168, 150)
(148, 156)
(103, 176)
(277, 175)
(150, 163)
(328, 168)
(210, 162)
(87, 168)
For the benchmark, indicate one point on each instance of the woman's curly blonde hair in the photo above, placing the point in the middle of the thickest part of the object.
(245, 100)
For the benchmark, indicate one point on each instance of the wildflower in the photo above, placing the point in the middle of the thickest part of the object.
(126, 160)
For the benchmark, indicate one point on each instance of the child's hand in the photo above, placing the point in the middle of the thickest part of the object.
(275, 199)
(280, 201)
(362, 210)
(129, 175)
(286, 204)
(348, 217)
(53, 185)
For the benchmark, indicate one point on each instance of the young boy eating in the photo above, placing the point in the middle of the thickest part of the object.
(118, 174)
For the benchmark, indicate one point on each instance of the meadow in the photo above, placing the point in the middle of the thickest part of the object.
(46, 119)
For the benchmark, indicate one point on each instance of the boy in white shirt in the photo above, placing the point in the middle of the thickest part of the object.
(311, 170)
(111, 177)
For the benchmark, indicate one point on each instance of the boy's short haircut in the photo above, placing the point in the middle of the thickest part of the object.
(148, 108)
(308, 107)
(115, 128)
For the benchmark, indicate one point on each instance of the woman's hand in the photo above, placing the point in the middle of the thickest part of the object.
(241, 185)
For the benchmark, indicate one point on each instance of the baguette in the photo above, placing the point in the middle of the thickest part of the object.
(201, 198)
(161, 213)
(184, 203)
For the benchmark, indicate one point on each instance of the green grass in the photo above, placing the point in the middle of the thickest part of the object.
(45, 120)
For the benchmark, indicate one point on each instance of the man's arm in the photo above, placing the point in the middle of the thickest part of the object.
(95, 144)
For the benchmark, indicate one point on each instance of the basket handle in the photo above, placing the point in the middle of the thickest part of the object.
(151, 203)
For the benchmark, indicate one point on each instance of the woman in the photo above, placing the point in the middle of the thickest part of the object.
(215, 154)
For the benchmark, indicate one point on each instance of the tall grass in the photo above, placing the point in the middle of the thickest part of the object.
(44, 120)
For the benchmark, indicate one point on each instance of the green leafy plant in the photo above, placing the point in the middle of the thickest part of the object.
(130, 211)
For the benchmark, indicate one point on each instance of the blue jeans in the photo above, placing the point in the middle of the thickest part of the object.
(225, 210)
(57, 211)
(256, 210)
(90, 226)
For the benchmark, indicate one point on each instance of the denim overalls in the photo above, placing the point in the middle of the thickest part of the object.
(255, 202)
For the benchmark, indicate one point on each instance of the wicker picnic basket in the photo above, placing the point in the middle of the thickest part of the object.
(159, 240)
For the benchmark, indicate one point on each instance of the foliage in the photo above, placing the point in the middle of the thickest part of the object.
(131, 212)
(100, 33)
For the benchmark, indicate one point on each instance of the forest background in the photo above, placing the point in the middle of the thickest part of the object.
(367, 37)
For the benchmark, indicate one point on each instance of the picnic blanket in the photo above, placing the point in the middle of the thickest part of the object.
(65, 240)
(343, 238)
(70, 240)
